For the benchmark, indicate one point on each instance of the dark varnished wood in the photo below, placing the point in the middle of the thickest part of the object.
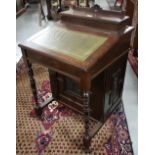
(49, 7)
(132, 12)
(54, 84)
(86, 109)
(36, 105)
(20, 7)
(87, 3)
(102, 73)
(95, 18)
(78, 2)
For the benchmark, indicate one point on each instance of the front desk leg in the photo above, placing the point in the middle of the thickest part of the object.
(87, 3)
(37, 108)
(53, 83)
(86, 138)
(60, 7)
(49, 7)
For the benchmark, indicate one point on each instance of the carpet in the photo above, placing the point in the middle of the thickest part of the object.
(61, 130)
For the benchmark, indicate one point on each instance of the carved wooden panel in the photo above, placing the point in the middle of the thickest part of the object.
(72, 87)
(114, 77)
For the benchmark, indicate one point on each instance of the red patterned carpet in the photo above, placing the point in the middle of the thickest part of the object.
(60, 131)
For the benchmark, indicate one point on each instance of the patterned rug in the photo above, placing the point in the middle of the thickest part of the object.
(61, 130)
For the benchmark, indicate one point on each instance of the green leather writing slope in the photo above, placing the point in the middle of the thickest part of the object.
(79, 45)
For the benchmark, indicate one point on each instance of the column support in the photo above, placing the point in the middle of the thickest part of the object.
(37, 108)
(86, 137)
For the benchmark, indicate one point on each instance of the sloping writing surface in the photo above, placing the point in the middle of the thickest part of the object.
(79, 45)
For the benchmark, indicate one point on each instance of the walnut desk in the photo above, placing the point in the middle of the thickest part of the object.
(86, 54)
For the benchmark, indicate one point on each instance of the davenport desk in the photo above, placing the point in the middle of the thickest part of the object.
(86, 54)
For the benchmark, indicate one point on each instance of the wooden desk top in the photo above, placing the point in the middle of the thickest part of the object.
(76, 44)
(74, 49)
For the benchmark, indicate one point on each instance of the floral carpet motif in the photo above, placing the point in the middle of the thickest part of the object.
(61, 130)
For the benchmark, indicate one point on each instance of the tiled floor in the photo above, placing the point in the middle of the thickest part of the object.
(28, 24)
(130, 100)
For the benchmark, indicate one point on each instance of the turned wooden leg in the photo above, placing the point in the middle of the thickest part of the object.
(49, 7)
(87, 3)
(60, 7)
(41, 9)
(86, 138)
(54, 84)
(37, 108)
(78, 3)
